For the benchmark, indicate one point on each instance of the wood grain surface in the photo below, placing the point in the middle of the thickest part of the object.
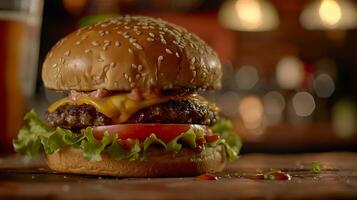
(23, 178)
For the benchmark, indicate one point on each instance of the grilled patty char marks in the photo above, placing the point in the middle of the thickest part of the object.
(184, 111)
(77, 117)
(175, 112)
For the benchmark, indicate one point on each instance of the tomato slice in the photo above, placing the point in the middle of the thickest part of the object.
(165, 132)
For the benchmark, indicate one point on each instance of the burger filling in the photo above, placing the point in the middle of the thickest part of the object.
(76, 117)
(126, 125)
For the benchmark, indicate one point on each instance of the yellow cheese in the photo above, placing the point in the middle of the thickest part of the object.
(118, 107)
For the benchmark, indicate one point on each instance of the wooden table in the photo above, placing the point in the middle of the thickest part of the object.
(22, 178)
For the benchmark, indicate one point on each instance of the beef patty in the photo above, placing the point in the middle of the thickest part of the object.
(183, 111)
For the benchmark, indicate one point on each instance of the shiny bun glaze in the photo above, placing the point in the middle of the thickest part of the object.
(129, 52)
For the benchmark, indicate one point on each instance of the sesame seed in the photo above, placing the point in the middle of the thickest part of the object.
(100, 60)
(129, 79)
(119, 32)
(150, 39)
(54, 65)
(140, 68)
(126, 76)
(50, 54)
(193, 60)
(95, 43)
(177, 54)
(87, 51)
(130, 50)
(131, 40)
(113, 21)
(138, 32)
(117, 43)
(106, 32)
(138, 46)
(112, 64)
(133, 66)
(101, 33)
(126, 27)
(126, 36)
(194, 73)
(159, 59)
(163, 40)
(67, 53)
(132, 84)
(168, 51)
(78, 43)
(151, 34)
(106, 42)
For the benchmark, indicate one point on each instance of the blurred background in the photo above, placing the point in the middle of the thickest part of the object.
(290, 67)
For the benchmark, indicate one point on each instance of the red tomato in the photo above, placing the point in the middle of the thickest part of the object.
(165, 132)
(211, 138)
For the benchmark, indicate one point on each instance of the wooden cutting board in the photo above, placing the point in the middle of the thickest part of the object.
(23, 178)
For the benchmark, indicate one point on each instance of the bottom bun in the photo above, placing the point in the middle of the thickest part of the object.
(157, 163)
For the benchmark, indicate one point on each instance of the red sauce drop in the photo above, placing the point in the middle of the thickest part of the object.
(257, 177)
(280, 176)
(207, 177)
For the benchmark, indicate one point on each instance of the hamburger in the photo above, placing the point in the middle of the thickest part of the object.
(132, 105)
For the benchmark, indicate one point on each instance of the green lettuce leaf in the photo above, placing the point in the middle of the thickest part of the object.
(152, 139)
(36, 138)
(229, 138)
(91, 147)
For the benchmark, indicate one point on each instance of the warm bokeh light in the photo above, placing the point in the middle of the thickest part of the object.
(251, 111)
(246, 77)
(249, 12)
(228, 102)
(344, 118)
(324, 85)
(303, 104)
(330, 12)
(274, 104)
(248, 15)
(290, 73)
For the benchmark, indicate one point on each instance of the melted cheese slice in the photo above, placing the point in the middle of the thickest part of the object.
(118, 107)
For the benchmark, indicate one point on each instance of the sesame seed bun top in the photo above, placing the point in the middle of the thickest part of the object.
(130, 52)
